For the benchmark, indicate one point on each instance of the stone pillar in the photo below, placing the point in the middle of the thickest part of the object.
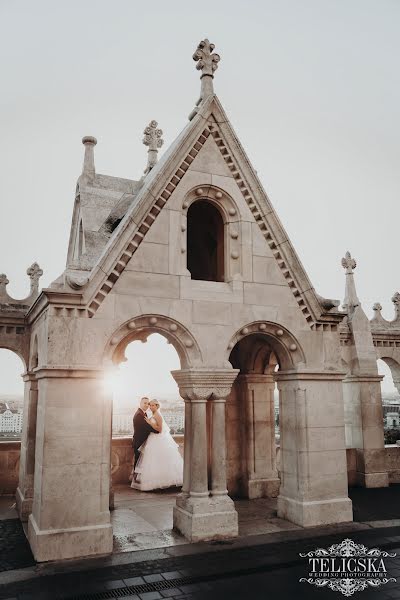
(364, 428)
(260, 478)
(218, 448)
(24, 493)
(70, 515)
(313, 454)
(197, 515)
(187, 448)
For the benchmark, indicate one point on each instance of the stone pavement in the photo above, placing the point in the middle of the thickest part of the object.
(264, 566)
(156, 564)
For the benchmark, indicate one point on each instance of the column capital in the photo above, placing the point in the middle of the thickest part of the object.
(199, 385)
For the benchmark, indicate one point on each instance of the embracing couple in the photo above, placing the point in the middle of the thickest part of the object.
(157, 461)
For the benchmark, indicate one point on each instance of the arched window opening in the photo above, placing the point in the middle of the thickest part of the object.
(11, 395)
(205, 242)
(390, 399)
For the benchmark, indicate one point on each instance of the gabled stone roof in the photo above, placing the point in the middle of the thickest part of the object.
(209, 119)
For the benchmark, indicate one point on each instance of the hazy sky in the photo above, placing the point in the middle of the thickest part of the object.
(311, 86)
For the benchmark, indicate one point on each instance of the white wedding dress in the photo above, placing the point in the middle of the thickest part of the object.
(160, 464)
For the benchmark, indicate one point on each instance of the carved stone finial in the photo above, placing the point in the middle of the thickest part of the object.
(88, 170)
(3, 285)
(396, 302)
(152, 139)
(34, 272)
(377, 307)
(348, 263)
(207, 62)
(351, 300)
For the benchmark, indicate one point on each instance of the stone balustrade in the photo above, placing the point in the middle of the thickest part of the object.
(121, 461)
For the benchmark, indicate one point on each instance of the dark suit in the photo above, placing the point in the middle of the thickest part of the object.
(141, 431)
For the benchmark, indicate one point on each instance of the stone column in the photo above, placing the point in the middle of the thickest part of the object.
(197, 515)
(364, 428)
(24, 493)
(70, 515)
(260, 478)
(313, 454)
(187, 448)
(218, 448)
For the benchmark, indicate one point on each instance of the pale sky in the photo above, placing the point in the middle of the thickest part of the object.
(311, 87)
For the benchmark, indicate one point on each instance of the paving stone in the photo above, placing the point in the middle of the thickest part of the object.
(153, 578)
(134, 581)
(150, 596)
(171, 593)
(172, 575)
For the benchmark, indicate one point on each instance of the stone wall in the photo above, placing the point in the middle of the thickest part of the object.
(122, 454)
(121, 461)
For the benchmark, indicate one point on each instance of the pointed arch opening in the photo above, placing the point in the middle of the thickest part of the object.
(205, 242)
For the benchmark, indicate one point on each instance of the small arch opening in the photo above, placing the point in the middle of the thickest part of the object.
(205, 242)
(11, 395)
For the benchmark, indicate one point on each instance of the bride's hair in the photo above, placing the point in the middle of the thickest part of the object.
(156, 402)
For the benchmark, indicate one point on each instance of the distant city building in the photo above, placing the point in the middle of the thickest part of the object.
(10, 419)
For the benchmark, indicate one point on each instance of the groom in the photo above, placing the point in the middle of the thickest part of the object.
(141, 429)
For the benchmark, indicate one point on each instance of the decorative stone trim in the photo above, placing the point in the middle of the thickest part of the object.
(262, 223)
(204, 384)
(285, 339)
(139, 328)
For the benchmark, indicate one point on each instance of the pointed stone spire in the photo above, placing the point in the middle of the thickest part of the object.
(88, 171)
(152, 139)
(207, 62)
(351, 300)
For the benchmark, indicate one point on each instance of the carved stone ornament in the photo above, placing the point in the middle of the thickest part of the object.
(77, 281)
(203, 384)
(152, 136)
(34, 272)
(348, 263)
(152, 139)
(207, 62)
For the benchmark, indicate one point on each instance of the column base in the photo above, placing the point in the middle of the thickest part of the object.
(59, 544)
(318, 512)
(23, 505)
(209, 518)
(261, 488)
(372, 480)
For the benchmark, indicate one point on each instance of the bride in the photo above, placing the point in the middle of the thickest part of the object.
(160, 464)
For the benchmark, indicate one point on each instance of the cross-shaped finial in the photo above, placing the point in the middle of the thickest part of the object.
(348, 263)
(207, 62)
(34, 272)
(152, 139)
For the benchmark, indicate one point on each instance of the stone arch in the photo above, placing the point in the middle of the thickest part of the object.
(139, 328)
(23, 356)
(282, 343)
(394, 367)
